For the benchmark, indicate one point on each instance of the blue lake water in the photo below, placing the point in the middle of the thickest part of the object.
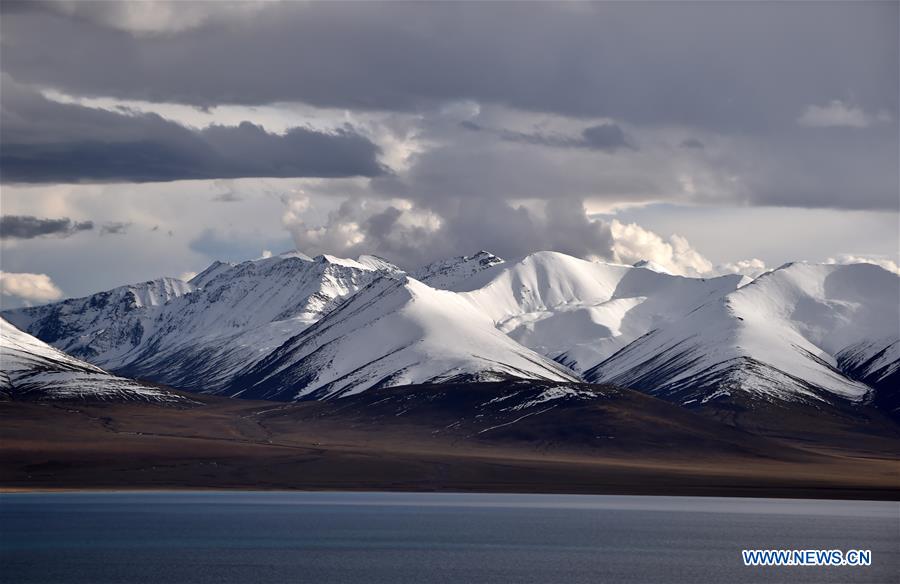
(322, 538)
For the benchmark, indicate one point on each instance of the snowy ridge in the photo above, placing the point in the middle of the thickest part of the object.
(241, 314)
(376, 263)
(444, 274)
(777, 338)
(32, 369)
(101, 327)
(877, 364)
(397, 331)
(580, 312)
(651, 265)
(874, 362)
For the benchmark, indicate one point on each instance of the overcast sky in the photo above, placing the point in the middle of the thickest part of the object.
(142, 139)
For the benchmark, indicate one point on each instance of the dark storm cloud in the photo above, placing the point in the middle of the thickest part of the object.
(28, 227)
(739, 75)
(723, 65)
(46, 141)
(604, 137)
(382, 224)
(607, 137)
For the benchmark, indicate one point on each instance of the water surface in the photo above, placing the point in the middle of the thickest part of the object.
(322, 538)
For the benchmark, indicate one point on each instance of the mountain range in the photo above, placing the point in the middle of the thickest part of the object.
(292, 327)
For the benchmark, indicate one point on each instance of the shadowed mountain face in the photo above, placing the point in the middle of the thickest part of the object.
(293, 327)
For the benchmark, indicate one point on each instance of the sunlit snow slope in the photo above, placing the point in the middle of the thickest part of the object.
(580, 312)
(396, 331)
(32, 369)
(790, 334)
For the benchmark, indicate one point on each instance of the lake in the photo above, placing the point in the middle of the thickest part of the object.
(322, 538)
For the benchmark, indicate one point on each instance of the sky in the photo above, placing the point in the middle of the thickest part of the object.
(148, 139)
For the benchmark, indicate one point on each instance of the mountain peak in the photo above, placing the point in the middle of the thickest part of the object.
(395, 331)
(447, 273)
(294, 253)
(651, 265)
(377, 263)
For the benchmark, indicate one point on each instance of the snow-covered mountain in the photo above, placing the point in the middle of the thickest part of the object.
(101, 327)
(32, 369)
(580, 312)
(292, 326)
(223, 320)
(243, 313)
(802, 332)
(396, 331)
(445, 274)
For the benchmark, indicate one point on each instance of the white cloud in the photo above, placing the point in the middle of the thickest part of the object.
(29, 287)
(885, 263)
(632, 243)
(752, 267)
(839, 114)
(185, 276)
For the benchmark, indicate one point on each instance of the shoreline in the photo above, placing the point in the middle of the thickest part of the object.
(775, 493)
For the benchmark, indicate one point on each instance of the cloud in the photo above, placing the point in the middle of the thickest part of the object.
(114, 228)
(607, 137)
(411, 236)
(632, 243)
(838, 114)
(29, 227)
(29, 287)
(582, 60)
(752, 267)
(885, 263)
(45, 141)
(577, 80)
(692, 143)
(227, 197)
(151, 17)
(604, 137)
